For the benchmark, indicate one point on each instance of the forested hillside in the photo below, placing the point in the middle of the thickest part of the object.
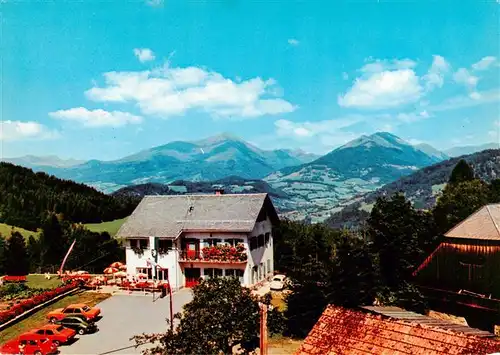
(422, 188)
(27, 197)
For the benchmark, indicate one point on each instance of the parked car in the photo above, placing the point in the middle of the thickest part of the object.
(77, 324)
(57, 333)
(29, 345)
(78, 310)
(278, 282)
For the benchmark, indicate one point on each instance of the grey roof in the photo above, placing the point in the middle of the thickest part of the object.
(400, 313)
(483, 224)
(168, 216)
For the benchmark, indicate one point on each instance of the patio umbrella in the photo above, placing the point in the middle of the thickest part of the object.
(123, 267)
(81, 272)
(110, 270)
(116, 264)
(120, 274)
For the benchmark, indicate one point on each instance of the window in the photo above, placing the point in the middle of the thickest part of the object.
(211, 272)
(261, 240)
(234, 272)
(60, 328)
(143, 243)
(141, 270)
(162, 274)
(253, 243)
(40, 331)
(254, 274)
(267, 238)
(212, 242)
(234, 242)
(86, 308)
(164, 245)
(68, 310)
(50, 332)
(77, 310)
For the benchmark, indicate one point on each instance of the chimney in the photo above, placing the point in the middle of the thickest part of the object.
(219, 191)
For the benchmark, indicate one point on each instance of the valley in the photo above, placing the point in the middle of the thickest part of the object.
(303, 186)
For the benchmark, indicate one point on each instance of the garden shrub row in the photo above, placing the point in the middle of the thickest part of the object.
(27, 304)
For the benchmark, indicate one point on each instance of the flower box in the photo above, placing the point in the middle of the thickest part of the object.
(27, 304)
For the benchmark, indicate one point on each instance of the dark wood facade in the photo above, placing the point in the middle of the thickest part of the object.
(463, 264)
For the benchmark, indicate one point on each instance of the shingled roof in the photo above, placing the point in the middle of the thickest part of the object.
(169, 216)
(483, 224)
(343, 331)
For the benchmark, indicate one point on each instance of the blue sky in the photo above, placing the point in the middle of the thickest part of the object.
(103, 79)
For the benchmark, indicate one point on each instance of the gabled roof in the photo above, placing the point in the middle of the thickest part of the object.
(169, 216)
(483, 224)
(342, 331)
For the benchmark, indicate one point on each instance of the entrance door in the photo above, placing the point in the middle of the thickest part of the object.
(192, 276)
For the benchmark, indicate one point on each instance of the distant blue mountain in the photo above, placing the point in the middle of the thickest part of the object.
(205, 160)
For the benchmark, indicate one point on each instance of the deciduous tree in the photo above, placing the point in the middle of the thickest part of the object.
(221, 316)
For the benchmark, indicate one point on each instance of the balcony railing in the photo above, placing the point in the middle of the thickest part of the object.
(216, 254)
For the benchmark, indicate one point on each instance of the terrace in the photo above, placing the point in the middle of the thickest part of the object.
(215, 254)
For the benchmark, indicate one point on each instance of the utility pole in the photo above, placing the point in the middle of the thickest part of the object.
(263, 329)
(171, 302)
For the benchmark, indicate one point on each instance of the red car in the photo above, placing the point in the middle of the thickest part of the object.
(27, 345)
(75, 310)
(57, 333)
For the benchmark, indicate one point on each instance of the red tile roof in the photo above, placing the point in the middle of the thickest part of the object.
(342, 331)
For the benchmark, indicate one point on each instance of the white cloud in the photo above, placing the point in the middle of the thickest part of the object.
(319, 137)
(462, 76)
(96, 118)
(378, 65)
(310, 129)
(413, 116)
(170, 91)
(435, 76)
(478, 98)
(484, 63)
(144, 54)
(384, 89)
(154, 3)
(345, 76)
(19, 130)
(495, 132)
(293, 42)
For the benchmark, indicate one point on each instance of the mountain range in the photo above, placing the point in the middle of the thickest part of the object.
(209, 159)
(422, 188)
(305, 185)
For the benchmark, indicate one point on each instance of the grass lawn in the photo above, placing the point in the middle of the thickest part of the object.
(6, 230)
(38, 318)
(278, 301)
(39, 281)
(281, 345)
(111, 227)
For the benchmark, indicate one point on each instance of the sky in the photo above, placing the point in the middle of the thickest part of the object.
(104, 79)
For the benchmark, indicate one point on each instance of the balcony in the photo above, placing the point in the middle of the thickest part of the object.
(216, 254)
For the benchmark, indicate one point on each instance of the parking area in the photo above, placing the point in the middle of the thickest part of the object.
(123, 317)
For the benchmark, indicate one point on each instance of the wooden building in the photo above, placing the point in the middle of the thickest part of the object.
(468, 260)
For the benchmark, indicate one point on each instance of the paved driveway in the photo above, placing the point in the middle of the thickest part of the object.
(123, 317)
